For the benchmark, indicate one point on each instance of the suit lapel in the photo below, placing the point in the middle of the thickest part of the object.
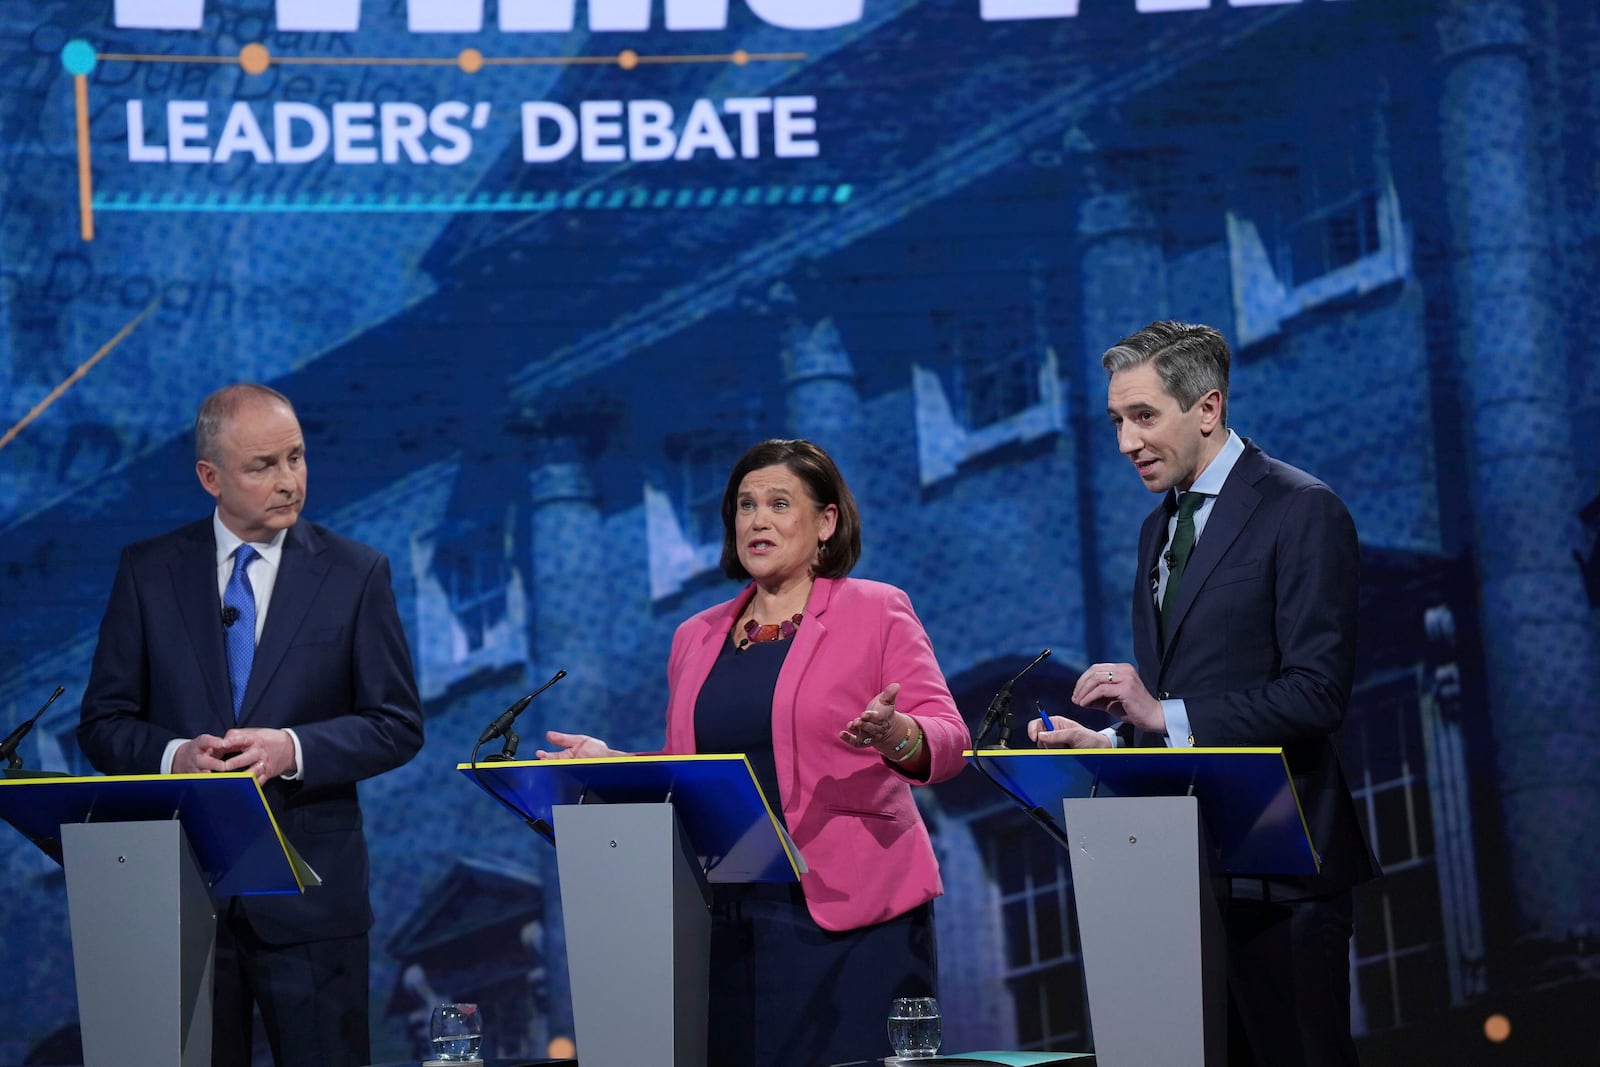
(194, 585)
(1146, 623)
(786, 693)
(1229, 515)
(301, 571)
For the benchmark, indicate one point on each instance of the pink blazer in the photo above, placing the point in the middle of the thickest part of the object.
(849, 812)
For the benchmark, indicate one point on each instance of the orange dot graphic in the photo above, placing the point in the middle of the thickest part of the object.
(741, 57)
(255, 59)
(627, 59)
(1497, 1028)
(561, 1048)
(470, 60)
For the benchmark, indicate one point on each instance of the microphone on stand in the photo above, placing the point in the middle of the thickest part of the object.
(499, 727)
(1000, 711)
(230, 615)
(1000, 707)
(8, 747)
(502, 726)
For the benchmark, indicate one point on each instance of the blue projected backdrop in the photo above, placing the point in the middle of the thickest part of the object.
(535, 272)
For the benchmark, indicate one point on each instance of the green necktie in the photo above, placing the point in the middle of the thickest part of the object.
(1178, 554)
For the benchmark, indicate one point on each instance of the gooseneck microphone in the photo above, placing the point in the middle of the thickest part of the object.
(8, 747)
(230, 615)
(1000, 706)
(1000, 711)
(501, 726)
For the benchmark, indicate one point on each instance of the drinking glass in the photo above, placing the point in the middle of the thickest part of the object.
(457, 1033)
(914, 1027)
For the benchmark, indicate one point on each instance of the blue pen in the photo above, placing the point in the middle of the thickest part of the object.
(1048, 725)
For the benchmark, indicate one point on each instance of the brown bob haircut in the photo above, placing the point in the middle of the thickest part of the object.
(821, 477)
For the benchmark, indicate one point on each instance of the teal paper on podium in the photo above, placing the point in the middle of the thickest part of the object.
(729, 823)
(231, 830)
(1248, 805)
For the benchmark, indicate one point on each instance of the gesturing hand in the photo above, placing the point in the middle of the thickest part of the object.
(876, 723)
(576, 746)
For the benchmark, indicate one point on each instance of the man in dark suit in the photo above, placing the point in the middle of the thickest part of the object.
(253, 641)
(1244, 629)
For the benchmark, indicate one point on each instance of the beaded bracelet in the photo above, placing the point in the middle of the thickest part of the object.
(910, 752)
(906, 740)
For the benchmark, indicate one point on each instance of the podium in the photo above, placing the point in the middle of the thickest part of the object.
(1151, 832)
(145, 856)
(638, 841)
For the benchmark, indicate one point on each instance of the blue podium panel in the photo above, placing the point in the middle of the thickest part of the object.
(230, 829)
(728, 821)
(1248, 804)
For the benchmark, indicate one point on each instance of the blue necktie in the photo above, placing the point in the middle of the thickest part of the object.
(240, 634)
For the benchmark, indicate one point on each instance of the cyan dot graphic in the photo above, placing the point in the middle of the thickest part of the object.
(78, 56)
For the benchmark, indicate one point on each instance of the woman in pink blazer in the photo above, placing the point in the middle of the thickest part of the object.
(829, 685)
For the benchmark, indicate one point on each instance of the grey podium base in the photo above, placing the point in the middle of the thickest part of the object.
(143, 936)
(638, 925)
(1150, 930)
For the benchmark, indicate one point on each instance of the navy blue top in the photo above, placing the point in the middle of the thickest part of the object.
(784, 991)
(734, 710)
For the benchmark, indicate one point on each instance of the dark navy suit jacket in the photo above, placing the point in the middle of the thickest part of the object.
(332, 663)
(1263, 644)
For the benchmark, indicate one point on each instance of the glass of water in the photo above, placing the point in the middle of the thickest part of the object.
(914, 1027)
(457, 1033)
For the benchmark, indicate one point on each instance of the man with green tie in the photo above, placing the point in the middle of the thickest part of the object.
(1244, 632)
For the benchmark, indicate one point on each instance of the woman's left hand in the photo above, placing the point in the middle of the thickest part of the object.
(876, 724)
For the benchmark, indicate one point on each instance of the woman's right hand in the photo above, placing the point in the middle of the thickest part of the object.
(576, 746)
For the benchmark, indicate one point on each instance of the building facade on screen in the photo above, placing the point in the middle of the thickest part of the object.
(903, 230)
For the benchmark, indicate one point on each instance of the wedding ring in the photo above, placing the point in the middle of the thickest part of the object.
(1110, 677)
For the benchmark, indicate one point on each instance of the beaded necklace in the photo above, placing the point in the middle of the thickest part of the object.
(756, 634)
